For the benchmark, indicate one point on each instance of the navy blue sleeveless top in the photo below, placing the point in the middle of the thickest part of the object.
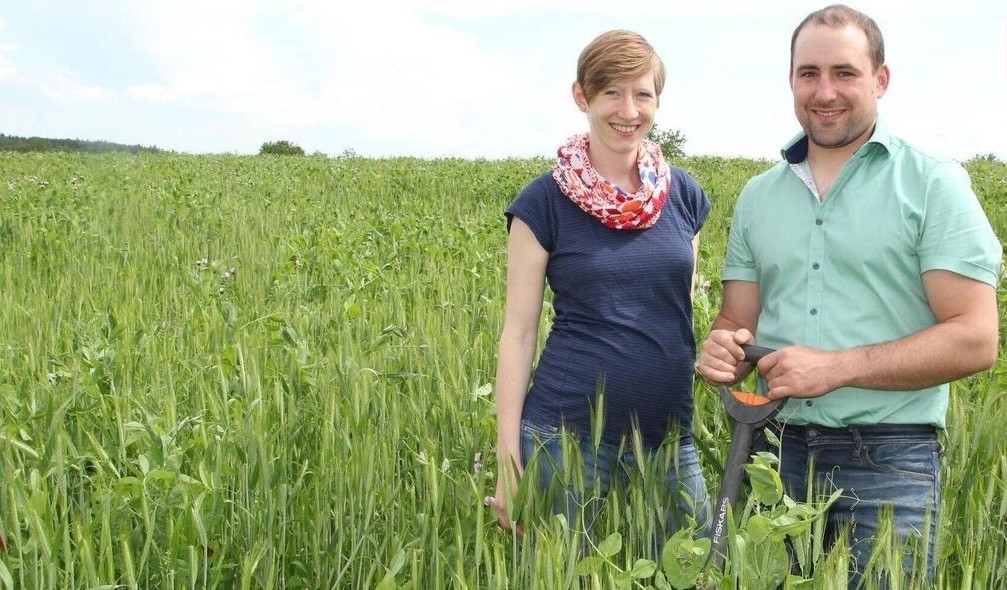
(623, 314)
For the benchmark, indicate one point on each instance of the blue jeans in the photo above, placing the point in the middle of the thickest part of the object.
(577, 480)
(884, 469)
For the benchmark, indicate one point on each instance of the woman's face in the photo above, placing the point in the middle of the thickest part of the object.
(621, 114)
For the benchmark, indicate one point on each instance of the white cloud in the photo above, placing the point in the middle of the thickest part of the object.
(62, 88)
(613, 11)
(421, 81)
(203, 51)
(149, 92)
(7, 67)
(379, 69)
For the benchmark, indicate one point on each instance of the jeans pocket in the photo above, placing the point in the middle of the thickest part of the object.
(913, 460)
(539, 438)
(540, 431)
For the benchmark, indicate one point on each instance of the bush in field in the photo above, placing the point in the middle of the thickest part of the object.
(670, 140)
(990, 157)
(281, 148)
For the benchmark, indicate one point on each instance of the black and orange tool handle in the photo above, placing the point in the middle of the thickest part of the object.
(745, 407)
(734, 474)
(749, 411)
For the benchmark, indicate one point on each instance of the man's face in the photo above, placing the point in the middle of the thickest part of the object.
(835, 86)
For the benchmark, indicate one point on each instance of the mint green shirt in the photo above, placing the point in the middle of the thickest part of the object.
(847, 272)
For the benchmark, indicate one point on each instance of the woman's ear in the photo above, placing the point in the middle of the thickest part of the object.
(579, 97)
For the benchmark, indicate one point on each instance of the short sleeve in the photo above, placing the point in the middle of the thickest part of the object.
(739, 263)
(535, 208)
(697, 204)
(957, 235)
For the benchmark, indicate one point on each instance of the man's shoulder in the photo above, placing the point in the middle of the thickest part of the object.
(910, 156)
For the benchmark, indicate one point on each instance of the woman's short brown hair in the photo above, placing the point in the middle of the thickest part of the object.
(617, 55)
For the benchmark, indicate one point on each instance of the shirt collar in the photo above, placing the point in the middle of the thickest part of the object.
(796, 150)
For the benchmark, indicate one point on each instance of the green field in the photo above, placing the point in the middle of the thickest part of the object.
(254, 372)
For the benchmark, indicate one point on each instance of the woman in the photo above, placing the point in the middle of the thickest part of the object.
(615, 232)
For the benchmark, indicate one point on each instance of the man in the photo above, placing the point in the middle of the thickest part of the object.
(873, 269)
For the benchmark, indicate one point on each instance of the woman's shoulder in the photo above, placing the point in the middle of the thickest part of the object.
(684, 178)
(684, 184)
(689, 196)
(539, 191)
(541, 184)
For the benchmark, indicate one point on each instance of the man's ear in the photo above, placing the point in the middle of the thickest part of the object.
(881, 79)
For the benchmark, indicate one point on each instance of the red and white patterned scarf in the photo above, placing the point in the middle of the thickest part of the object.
(613, 206)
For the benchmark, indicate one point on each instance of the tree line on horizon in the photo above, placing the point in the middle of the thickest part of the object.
(670, 140)
(15, 143)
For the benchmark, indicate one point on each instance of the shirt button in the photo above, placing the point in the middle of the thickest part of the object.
(818, 221)
(815, 266)
(814, 311)
(809, 403)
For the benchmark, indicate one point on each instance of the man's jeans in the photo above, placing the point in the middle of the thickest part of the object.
(883, 469)
(579, 484)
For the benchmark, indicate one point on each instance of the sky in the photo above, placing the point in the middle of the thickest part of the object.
(465, 78)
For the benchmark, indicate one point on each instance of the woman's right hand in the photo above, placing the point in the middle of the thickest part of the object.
(505, 475)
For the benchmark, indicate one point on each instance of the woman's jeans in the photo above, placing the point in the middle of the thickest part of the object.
(890, 477)
(579, 480)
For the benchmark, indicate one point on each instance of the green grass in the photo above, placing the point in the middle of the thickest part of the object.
(250, 372)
